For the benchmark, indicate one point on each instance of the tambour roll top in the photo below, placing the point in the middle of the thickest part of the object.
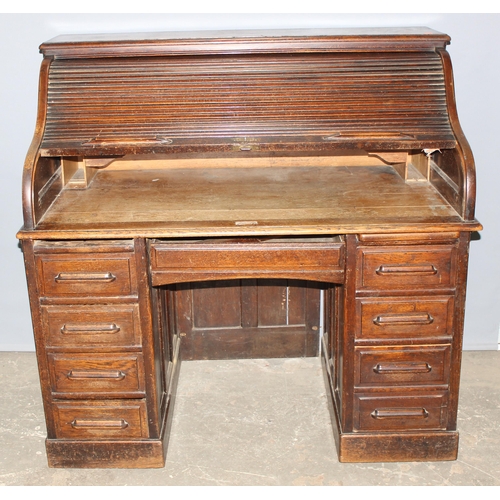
(328, 91)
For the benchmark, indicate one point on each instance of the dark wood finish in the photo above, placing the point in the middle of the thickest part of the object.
(97, 419)
(319, 259)
(385, 367)
(105, 453)
(71, 269)
(250, 202)
(400, 411)
(93, 375)
(89, 326)
(248, 41)
(399, 447)
(409, 268)
(83, 119)
(178, 186)
(415, 318)
(248, 319)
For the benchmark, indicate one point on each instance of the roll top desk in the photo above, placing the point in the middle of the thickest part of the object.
(167, 163)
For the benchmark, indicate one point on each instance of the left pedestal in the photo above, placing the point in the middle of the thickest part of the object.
(107, 400)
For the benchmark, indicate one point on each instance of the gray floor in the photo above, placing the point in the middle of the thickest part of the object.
(254, 422)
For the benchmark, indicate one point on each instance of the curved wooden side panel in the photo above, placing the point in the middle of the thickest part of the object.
(467, 189)
(29, 172)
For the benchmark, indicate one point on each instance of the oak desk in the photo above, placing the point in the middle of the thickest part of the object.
(198, 195)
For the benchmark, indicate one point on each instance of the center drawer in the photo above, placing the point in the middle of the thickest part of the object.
(308, 258)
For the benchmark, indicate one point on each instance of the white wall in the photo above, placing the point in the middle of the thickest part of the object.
(474, 51)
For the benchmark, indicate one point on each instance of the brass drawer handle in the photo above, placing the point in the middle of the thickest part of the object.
(403, 319)
(82, 423)
(402, 368)
(102, 277)
(400, 413)
(89, 329)
(95, 374)
(420, 270)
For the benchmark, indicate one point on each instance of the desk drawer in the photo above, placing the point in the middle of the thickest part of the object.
(80, 326)
(400, 318)
(400, 412)
(304, 256)
(100, 419)
(407, 267)
(96, 375)
(402, 366)
(102, 275)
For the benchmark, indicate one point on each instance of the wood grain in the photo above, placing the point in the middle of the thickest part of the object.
(178, 188)
(189, 201)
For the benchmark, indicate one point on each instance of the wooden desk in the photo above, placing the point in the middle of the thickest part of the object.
(200, 195)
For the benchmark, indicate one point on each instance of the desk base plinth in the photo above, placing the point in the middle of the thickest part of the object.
(414, 447)
(144, 454)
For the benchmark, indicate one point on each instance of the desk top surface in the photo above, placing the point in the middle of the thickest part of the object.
(247, 201)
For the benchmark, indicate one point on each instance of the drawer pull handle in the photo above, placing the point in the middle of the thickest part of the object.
(403, 319)
(89, 329)
(80, 423)
(400, 413)
(420, 270)
(69, 277)
(95, 374)
(402, 368)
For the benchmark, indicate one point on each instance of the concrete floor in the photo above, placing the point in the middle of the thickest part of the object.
(253, 422)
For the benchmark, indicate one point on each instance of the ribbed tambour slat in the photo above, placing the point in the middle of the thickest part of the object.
(133, 100)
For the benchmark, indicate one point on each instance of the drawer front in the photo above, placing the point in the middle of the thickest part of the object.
(404, 318)
(76, 375)
(165, 256)
(406, 267)
(86, 275)
(100, 419)
(402, 366)
(92, 326)
(400, 412)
